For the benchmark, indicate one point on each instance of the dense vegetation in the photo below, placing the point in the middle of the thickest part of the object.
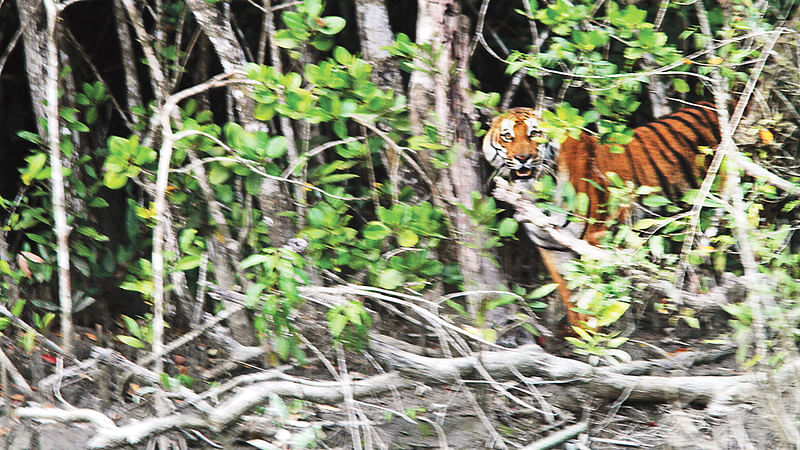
(290, 167)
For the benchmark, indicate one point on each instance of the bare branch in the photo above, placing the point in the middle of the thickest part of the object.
(62, 230)
(558, 437)
(73, 415)
(529, 214)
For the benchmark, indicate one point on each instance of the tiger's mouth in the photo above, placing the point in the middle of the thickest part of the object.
(524, 172)
(523, 166)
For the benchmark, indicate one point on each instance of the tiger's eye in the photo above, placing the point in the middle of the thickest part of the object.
(506, 136)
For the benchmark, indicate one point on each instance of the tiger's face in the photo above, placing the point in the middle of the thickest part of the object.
(516, 142)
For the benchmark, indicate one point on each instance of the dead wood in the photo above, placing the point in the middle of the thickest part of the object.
(529, 361)
(222, 416)
(598, 382)
(558, 437)
(19, 381)
(115, 359)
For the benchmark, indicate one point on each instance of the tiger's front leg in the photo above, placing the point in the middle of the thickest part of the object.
(555, 257)
(555, 261)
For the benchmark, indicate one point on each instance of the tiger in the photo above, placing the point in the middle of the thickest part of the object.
(665, 153)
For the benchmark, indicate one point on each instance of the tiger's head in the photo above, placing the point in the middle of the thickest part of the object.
(516, 144)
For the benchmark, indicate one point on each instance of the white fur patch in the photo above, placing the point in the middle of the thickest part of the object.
(494, 153)
(507, 126)
(532, 124)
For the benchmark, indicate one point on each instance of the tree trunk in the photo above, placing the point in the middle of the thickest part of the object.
(32, 22)
(445, 94)
(231, 55)
(375, 33)
(133, 94)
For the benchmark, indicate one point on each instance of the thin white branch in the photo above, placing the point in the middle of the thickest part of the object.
(17, 377)
(62, 230)
(73, 415)
(558, 437)
(162, 177)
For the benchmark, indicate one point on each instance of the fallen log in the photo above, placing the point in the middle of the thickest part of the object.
(599, 382)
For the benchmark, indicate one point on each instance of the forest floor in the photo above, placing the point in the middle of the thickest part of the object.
(421, 414)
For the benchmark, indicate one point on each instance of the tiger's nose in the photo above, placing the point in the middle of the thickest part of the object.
(522, 158)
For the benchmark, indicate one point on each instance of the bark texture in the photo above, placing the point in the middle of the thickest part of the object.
(376, 33)
(231, 55)
(273, 199)
(440, 97)
(34, 26)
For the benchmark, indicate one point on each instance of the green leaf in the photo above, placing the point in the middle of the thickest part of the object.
(131, 341)
(336, 324)
(16, 310)
(131, 325)
(542, 291)
(459, 309)
(92, 233)
(507, 227)
(583, 334)
(314, 8)
(655, 201)
(91, 115)
(277, 147)
(616, 342)
(407, 238)
(165, 380)
(691, 321)
(186, 238)
(218, 174)
(613, 313)
(646, 223)
(591, 116)
(342, 56)
(68, 114)
(254, 260)
(33, 138)
(264, 111)
(353, 313)
(188, 262)
(98, 202)
(283, 346)
(615, 180)
(285, 39)
(36, 163)
(581, 203)
(332, 25)
(114, 180)
(390, 279)
(376, 230)
(680, 85)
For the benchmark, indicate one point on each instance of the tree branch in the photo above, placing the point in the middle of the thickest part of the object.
(62, 230)
(530, 215)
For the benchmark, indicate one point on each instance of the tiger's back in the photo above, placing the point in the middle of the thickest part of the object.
(665, 153)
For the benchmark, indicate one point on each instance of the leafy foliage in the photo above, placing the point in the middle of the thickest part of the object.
(361, 228)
